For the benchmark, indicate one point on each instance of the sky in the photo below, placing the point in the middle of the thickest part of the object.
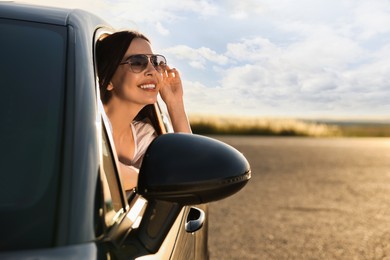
(269, 58)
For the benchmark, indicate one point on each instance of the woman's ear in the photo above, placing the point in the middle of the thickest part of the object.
(110, 86)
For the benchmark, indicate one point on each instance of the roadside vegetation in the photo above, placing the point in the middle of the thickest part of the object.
(362, 129)
(223, 125)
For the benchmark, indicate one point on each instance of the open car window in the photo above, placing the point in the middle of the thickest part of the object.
(114, 203)
(117, 201)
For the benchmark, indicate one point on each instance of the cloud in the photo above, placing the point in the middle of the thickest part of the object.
(371, 18)
(324, 72)
(161, 29)
(197, 58)
(200, 98)
(324, 48)
(244, 9)
(161, 14)
(156, 13)
(252, 50)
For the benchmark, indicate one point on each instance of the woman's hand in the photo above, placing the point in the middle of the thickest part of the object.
(171, 89)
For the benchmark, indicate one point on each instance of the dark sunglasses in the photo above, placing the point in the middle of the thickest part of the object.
(139, 62)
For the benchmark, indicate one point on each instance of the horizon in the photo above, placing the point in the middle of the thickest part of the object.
(336, 119)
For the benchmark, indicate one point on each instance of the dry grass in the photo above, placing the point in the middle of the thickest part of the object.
(260, 126)
(365, 130)
(228, 125)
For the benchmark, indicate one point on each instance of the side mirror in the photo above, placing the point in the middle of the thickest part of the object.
(191, 169)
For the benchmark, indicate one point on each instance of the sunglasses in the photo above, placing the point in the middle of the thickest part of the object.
(139, 62)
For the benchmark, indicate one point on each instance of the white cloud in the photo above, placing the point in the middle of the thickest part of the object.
(244, 9)
(125, 13)
(161, 29)
(324, 48)
(200, 98)
(252, 50)
(372, 18)
(324, 72)
(197, 58)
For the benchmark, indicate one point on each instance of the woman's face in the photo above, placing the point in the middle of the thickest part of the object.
(137, 88)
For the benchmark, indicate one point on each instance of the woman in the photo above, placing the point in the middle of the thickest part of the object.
(130, 77)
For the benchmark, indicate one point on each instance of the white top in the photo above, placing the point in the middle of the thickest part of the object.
(143, 134)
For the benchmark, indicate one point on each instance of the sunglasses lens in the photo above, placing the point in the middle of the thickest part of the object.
(159, 62)
(138, 62)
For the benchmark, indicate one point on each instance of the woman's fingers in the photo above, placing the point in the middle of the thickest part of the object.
(171, 80)
(170, 73)
(165, 72)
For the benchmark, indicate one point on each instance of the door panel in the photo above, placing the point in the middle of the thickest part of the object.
(192, 245)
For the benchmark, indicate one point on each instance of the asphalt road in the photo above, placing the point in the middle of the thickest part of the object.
(308, 199)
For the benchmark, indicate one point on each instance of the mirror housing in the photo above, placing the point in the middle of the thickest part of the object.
(191, 169)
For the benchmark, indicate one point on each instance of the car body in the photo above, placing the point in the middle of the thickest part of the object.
(61, 194)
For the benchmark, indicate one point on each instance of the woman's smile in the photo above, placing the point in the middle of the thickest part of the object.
(148, 86)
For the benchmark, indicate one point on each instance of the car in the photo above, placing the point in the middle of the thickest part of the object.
(61, 193)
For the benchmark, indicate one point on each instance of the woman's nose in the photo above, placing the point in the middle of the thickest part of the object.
(150, 69)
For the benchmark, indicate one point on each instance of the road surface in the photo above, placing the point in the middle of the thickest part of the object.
(308, 198)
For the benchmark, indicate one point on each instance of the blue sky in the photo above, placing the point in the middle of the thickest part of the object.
(301, 58)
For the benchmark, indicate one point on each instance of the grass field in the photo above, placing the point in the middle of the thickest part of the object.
(223, 125)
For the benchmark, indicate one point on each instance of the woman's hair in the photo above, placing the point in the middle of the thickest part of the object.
(110, 51)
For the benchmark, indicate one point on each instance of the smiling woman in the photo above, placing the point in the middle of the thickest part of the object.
(130, 79)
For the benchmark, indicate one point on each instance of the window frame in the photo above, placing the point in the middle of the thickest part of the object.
(111, 180)
(105, 135)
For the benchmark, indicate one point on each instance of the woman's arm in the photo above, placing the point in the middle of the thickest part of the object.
(171, 92)
(129, 176)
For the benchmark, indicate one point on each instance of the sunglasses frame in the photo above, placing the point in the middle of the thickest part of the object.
(149, 57)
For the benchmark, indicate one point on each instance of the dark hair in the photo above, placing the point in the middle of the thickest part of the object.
(109, 54)
(110, 51)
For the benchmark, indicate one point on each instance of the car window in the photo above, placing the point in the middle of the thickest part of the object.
(32, 73)
(112, 193)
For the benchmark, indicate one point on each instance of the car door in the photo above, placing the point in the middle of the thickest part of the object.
(132, 227)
